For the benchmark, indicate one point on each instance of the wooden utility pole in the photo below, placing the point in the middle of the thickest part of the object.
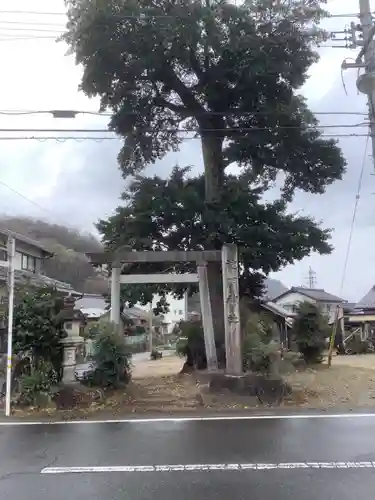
(10, 265)
(333, 335)
(150, 327)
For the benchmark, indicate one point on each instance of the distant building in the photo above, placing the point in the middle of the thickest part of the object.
(28, 263)
(327, 302)
(272, 288)
(94, 307)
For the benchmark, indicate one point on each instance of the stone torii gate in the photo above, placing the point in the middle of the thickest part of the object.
(228, 257)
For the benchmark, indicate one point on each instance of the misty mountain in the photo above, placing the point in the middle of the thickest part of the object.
(69, 263)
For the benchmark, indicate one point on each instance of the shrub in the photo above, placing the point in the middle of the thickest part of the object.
(111, 358)
(191, 344)
(310, 330)
(259, 348)
(38, 383)
(39, 326)
(181, 346)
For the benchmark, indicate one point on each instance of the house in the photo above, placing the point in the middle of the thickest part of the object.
(327, 302)
(28, 270)
(283, 322)
(28, 264)
(272, 288)
(367, 303)
(361, 318)
(95, 308)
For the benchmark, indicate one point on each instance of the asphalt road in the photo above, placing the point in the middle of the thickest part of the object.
(272, 459)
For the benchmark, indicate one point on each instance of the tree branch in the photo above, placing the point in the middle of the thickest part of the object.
(171, 79)
(181, 110)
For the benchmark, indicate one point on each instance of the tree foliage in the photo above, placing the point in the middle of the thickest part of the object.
(111, 357)
(228, 73)
(259, 346)
(39, 326)
(168, 214)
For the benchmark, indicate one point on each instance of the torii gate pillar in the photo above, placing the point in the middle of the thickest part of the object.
(233, 347)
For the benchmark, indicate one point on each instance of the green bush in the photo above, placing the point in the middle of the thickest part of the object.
(39, 382)
(191, 343)
(111, 358)
(39, 326)
(181, 346)
(310, 330)
(259, 349)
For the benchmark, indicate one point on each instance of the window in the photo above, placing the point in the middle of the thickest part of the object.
(68, 326)
(28, 263)
(3, 254)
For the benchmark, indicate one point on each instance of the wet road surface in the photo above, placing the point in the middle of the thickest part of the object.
(272, 459)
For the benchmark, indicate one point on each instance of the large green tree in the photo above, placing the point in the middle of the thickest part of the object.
(228, 74)
(167, 214)
(39, 325)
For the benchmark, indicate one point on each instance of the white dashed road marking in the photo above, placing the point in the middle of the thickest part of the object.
(210, 467)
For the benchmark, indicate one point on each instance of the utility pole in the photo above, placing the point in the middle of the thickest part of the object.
(311, 278)
(366, 60)
(150, 326)
(10, 264)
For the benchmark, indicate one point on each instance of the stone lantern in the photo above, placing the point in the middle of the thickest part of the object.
(73, 322)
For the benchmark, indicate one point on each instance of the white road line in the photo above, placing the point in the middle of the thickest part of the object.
(210, 467)
(191, 419)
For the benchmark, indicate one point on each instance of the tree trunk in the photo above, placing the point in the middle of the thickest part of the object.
(214, 180)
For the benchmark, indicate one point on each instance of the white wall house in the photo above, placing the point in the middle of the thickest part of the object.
(28, 262)
(29, 253)
(327, 302)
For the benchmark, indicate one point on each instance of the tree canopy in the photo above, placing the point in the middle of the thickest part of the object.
(230, 75)
(227, 73)
(167, 214)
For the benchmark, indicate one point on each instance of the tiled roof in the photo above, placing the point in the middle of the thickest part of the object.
(317, 294)
(278, 310)
(92, 312)
(349, 306)
(91, 301)
(25, 239)
(28, 278)
(368, 301)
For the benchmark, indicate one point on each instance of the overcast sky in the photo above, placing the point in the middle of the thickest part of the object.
(76, 183)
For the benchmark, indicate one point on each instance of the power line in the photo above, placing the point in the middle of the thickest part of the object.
(355, 208)
(65, 112)
(120, 16)
(20, 38)
(62, 139)
(59, 138)
(24, 197)
(32, 23)
(181, 130)
(31, 29)
(20, 112)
